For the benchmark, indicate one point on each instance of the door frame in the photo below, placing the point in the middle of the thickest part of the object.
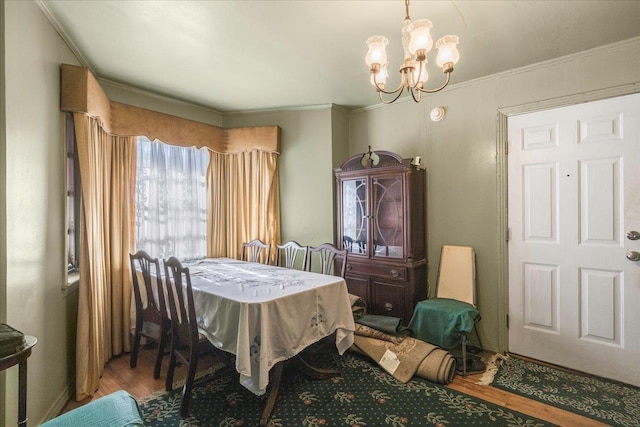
(502, 183)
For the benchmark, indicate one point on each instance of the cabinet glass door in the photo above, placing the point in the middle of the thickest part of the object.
(388, 218)
(354, 215)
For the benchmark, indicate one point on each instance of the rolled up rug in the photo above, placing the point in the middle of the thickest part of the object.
(439, 367)
(386, 324)
(407, 358)
(358, 306)
(367, 331)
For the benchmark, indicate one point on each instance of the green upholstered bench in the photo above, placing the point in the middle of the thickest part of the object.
(118, 409)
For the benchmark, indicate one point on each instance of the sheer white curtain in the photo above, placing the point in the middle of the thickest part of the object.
(171, 200)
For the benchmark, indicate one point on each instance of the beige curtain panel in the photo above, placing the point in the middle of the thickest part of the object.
(105, 275)
(244, 204)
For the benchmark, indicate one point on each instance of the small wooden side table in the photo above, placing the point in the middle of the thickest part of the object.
(20, 358)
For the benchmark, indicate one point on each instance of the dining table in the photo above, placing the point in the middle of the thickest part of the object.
(266, 315)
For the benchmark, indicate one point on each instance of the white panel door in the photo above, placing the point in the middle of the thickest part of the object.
(574, 203)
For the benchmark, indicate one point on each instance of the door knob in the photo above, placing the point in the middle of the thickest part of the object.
(633, 255)
(633, 235)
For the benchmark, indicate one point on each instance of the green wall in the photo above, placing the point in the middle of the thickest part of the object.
(462, 158)
(3, 206)
(35, 195)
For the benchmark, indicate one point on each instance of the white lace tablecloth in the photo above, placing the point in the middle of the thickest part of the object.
(265, 314)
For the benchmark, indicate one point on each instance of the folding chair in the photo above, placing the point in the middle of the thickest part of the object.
(447, 319)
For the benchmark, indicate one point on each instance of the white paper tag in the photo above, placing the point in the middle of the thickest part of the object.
(389, 361)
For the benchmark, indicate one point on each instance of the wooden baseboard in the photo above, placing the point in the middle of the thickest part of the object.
(61, 402)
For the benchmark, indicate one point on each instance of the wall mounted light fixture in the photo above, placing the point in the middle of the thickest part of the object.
(437, 114)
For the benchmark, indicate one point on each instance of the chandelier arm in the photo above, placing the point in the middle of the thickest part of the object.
(391, 101)
(413, 95)
(416, 79)
(389, 92)
(438, 89)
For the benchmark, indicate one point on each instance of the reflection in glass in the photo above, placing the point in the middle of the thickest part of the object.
(354, 211)
(388, 217)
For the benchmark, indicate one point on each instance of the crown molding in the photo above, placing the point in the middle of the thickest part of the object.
(577, 98)
(156, 95)
(281, 109)
(64, 35)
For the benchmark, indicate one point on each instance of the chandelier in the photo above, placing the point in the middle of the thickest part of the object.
(416, 42)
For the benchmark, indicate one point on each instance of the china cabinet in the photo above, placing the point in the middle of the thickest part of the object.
(381, 205)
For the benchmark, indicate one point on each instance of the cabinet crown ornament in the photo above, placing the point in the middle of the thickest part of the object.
(374, 160)
(369, 159)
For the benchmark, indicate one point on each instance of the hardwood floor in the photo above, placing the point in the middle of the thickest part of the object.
(521, 404)
(140, 383)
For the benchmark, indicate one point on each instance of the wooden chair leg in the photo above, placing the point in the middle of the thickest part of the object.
(133, 361)
(158, 364)
(161, 345)
(188, 385)
(172, 368)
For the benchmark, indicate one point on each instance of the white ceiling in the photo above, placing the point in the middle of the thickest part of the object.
(248, 55)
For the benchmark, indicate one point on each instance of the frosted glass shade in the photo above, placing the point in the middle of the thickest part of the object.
(420, 37)
(420, 76)
(447, 50)
(381, 77)
(377, 53)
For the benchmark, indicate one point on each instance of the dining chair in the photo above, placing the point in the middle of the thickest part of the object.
(347, 243)
(447, 319)
(327, 255)
(187, 344)
(254, 250)
(288, 253)
(152, 321)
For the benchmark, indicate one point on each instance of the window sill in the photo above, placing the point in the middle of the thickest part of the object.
(73, 279)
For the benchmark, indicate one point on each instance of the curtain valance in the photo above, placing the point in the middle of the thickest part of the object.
(82, 93)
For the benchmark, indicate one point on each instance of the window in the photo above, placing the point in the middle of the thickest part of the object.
(170, 200)
(73, 197)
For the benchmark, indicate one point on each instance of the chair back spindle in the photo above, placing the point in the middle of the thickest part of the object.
(287, 254)
(254, 250)
(328, 254)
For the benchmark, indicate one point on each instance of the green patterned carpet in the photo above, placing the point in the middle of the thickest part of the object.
(607, 401)
(363, 395)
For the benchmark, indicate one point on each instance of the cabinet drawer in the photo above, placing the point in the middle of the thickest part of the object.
(390, 300)
(359, 286)
(387, 272)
